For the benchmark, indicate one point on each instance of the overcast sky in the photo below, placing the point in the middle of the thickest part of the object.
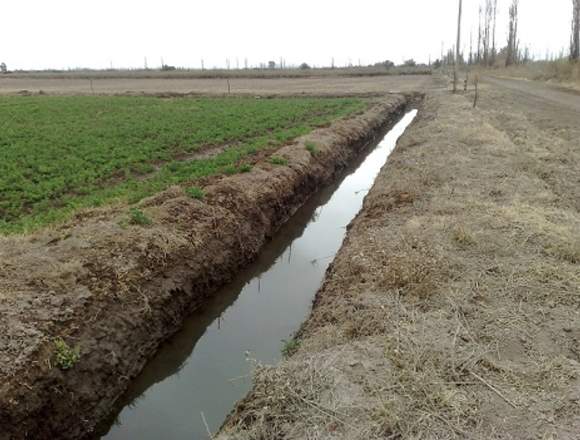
(38, 34)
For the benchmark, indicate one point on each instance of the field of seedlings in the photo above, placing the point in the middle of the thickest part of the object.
(60, 154)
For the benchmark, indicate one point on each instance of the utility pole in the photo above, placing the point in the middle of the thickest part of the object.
(457, 47)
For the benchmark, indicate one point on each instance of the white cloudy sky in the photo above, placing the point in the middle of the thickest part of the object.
(75, 33)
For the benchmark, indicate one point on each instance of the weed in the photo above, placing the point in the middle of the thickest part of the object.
(311, 146)
(245, 168)
(289, 346)
(277, 160)
(195, 193)
(138, 217)
(462, 237)
(65, 356)
(230, 170)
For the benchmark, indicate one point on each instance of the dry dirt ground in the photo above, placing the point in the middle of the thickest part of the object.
(453, 309)
(282, 86)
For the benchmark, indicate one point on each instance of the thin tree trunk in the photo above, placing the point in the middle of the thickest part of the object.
(493, 49)
(479, 38)
(512, 47)
(457, 47)
(575, 38)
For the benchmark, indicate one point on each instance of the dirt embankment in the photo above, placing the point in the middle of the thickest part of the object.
(114, 291)
(453, 308)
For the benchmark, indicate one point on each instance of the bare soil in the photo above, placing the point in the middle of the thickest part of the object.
(453, 308)
(218, 86)
(113, 291)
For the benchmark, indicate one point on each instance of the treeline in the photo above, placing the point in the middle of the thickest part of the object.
(484, 49)
(487, 52)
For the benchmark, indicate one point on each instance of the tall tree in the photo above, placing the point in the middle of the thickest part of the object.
(512, 47)
(457, 47)
(470, 48)
(479, 38)
(575, 38)
(487, 32)
(493, 47)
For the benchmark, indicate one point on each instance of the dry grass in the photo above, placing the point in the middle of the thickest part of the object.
(561, 71)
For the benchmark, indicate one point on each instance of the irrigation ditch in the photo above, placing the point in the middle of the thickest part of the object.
(135, 288)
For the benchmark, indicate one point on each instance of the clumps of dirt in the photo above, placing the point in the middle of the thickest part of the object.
(452, 309)
(112, 290)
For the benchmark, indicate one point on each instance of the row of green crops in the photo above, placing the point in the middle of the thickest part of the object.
(59, 154)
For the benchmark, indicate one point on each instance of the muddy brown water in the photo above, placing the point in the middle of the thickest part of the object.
(207, 367)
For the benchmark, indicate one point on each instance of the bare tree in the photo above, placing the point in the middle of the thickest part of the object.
(493, 47)
(479, 37)
(575, 38)
(512, 47)
(3, 68)
(457, 47)
(487, 32)
(470, 48)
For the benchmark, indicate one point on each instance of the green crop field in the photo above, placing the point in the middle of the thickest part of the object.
(59, 154)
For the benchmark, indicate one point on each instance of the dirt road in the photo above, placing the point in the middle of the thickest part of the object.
(452, 310)
(538, 92)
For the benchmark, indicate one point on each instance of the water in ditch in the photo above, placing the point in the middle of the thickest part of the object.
(202, 371)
